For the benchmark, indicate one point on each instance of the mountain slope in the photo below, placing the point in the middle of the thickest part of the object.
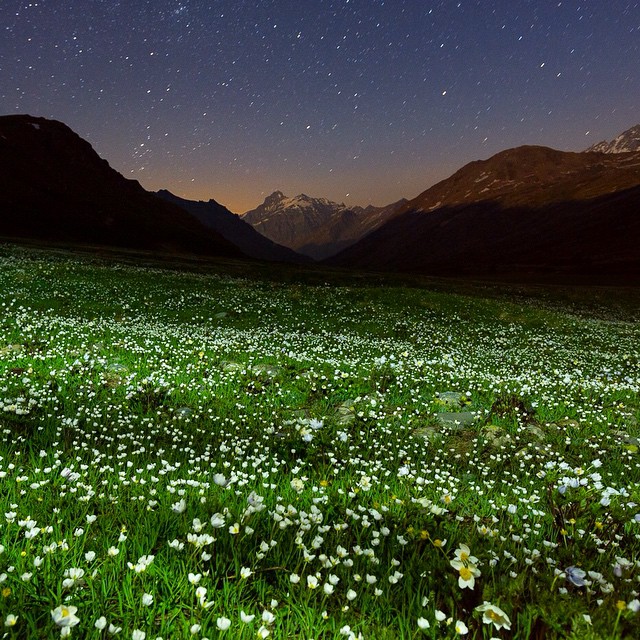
(316, 227)
(55, 187)
(628, 141)
(230, 226)
(529, 210)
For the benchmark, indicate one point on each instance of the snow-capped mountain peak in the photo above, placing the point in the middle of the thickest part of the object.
(626, 142)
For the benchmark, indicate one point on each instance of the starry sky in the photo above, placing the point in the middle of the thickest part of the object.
(359, 101)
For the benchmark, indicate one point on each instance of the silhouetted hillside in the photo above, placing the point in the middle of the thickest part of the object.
(218, 218)
(529, 210)
(54, 186)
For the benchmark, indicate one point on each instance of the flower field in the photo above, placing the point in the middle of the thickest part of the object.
(205, 455)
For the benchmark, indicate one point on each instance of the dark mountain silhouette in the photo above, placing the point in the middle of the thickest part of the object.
(316, 227)
(523, 212)
(55, 187)
(626, 142)
(230, 226)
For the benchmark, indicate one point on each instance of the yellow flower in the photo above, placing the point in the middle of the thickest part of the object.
(621, 605)
(6, 592)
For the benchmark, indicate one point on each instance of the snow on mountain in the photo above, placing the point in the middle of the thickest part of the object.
(626, 142)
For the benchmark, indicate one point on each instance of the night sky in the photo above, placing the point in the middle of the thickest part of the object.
(360, 101)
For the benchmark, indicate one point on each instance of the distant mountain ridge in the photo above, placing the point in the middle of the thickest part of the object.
(316, 227)
(230, 226)
(626, 142)
(55, 187)
(523, 212)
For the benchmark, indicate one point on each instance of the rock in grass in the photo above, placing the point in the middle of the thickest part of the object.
(428, 433)
(452, 399)
(456, 420)
(495, 436)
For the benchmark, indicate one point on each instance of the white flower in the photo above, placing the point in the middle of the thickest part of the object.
(195, 628)
(461, 628)
(223, 623)
(65, 616)
(100, 623)
(90, 556)
(351, 594)
(312, 582)
(294, 578)
(263, 632)
(138, 635)
(217, 520)
(491, 614)
(245, 572)
(441, 616)
(147, 599)
(220, 480)
(328, 588)
(179, 507)
(267, 617)
(246, 618)
(10, 620)
(194, 578)
(113, 551)
(423, 623)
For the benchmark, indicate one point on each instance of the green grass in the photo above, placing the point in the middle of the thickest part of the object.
(276, 433)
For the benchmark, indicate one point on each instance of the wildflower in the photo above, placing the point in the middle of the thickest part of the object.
(147, 599)
(268, 617)
(351, 594)
(113, 551)
(312, 582)
(463, 554)
(441, 616)
(294, 578)
(223, 623)
(423, 624)
(90, 556)
(220, 480)
(461, 628)
(245, 572)
(194, 578)
(65, 616)
(138, 635)
(491, 614)
(194, 628)
(575, 576)
(263, 632)
(179, 507)
(100, 623)
(10, 620)
(246, 618)
(217, 520)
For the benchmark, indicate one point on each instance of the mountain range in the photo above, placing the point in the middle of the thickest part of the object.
(523, 213)
(315, 227)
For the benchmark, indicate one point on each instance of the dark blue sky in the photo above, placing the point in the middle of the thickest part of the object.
(361, 101)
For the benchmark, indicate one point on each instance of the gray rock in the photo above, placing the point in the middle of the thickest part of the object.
(456, 420)
(452, 399)
(428, 433)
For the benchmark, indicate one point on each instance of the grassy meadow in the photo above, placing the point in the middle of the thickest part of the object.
(222, 454)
